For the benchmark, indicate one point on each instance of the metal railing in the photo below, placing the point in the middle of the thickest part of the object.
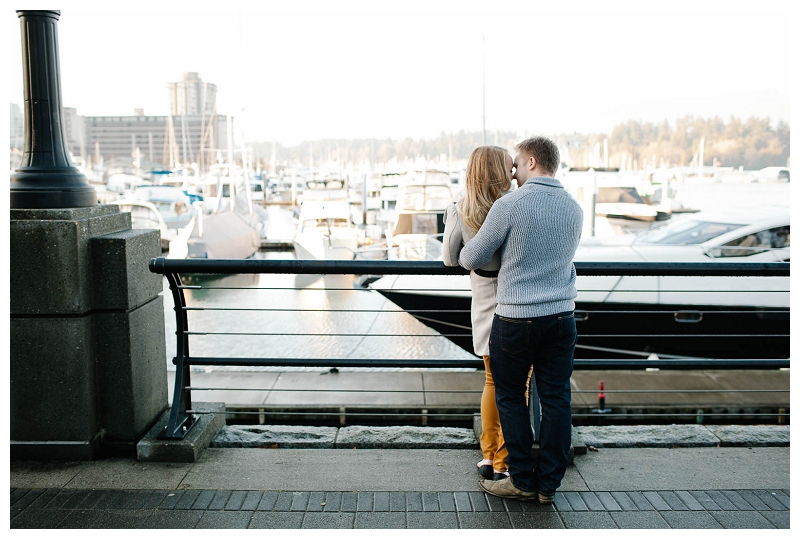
(182, 416)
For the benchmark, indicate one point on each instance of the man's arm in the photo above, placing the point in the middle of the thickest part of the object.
(491, 236)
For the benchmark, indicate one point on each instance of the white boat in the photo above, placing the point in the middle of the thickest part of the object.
(145, 215)
(646, 307)
(325, 230)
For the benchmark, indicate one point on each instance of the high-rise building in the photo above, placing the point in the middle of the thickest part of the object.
(192, 96)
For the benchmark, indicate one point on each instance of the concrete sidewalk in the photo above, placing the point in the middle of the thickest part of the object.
(696, 487)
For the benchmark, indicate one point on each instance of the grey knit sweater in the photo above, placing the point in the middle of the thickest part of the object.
(537, 227)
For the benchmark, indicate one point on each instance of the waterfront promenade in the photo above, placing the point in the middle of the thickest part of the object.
(742, 486)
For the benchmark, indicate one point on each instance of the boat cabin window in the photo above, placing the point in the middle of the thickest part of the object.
(757, 242)
(689, 232)
(419, 223)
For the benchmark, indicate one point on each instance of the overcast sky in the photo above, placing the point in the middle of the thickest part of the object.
(297, 70)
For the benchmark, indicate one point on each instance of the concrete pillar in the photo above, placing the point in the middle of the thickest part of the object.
(88, 375)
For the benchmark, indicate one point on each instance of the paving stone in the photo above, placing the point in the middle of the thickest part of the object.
(44, 498)
(413, 501)
(690, 520)
(299, 501)
(462, 501)
(770, 499)
(721, 500)
(235, 500)
(512, 506)
(431, 520)
(76, 499)
(181, 519)
(284, 501)
(608, 501)
(741, 519)
(575, 501)
(755, 502)
(219, 500)
(79, 519)
(267, 501)
(658, 503)
(779, 519)
(316, 501)
(225, 520)
(349, 502)
(560, 502)
(91, 501)
(381, 501)
(28, 497)
(591, 501)
(430, 502)
(447, 501)
(672, 499)
(642, 503)
(276, 520)
(588, 520)
(779, 495)
(115, 519)
(484, 519)
(154, 499)
(736, 499)
(366, 501)
(691, 503)
(202, 501)
(705, 500)
(170, 499)
(624, 501)
(38, 519)
(639, 520)
(59, 499)
(333, 501)
(536, 520)
(342, 520)
(252, 500)
(380, 520)
(478, 500)
(187, 500)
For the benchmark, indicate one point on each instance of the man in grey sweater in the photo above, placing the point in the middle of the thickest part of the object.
(537, 228)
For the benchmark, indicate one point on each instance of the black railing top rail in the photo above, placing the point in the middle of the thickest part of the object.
(425, 267)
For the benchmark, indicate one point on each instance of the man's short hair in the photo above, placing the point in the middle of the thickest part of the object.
(544, 151)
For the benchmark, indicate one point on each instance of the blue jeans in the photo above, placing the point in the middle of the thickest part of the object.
(547, 343)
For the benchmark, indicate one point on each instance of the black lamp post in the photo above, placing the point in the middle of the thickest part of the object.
(46, 178)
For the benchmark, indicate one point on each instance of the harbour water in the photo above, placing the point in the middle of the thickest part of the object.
(297, 316)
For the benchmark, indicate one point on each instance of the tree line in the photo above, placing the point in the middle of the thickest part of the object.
(752, 144)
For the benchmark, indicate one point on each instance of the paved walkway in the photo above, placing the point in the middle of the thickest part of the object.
(709, 487)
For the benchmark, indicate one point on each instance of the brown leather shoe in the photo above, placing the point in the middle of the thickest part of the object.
(506, 489)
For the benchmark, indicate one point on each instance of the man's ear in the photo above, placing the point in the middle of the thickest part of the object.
(531, 163)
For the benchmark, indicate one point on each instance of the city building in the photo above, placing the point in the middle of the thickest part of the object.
(192, 96)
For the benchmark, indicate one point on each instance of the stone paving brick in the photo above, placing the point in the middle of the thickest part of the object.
(397, 501)
(170, 499)
(430, 502)
(624, 501)
(187, 499)
(560, 502)
(284, 501)
(225, 520)
(59, 499)
(431, 520)
(75, 500)
(235, 500)
(478, 500)
(588, 520)
(349, 502)
(536, 520)
(44, 498)
(675, 503)
(641, 502)
(770, 500)
(139, 499)
(276, 520)
(639, 520)
(781, 496)
(79, 519)
(705, 500)
(115, 519)
(575, 501)
(202, 501)
(27, 498)
(251, 500)
(366, 501)
(687, 498)
(462, 501)
(608, 501)
(512, 506)
(591, 501)
(413, 501)
(779, 519)
(299, 501)
(690, 520)
(91, 501)
(380, 520)
(16, 494)
(342, 520)
(497, 504)
(333, 501)
(754, 501)
(483, 519)
(154, 499)
(316, 501)
(658, 503)
(219, 500)
(182, 519)
(38, 519)
(447, 501)
(737, 500)
(267, 501)
(381, 501)
(741, 520)
(721, 500)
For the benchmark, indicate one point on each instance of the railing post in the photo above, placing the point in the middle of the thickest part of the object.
(179, 420)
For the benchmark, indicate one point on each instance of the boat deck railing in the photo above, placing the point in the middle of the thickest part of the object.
(183, 416)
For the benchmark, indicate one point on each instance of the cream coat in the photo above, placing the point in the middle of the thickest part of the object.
(484, 289)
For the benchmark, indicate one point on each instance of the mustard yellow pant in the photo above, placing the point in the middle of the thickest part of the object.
(493, 446)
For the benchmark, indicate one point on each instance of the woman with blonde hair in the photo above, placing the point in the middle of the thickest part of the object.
(489, 172)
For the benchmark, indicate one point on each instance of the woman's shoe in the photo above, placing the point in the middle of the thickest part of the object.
(485, 469)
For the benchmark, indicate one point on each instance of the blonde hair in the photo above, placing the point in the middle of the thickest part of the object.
(487, 179)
